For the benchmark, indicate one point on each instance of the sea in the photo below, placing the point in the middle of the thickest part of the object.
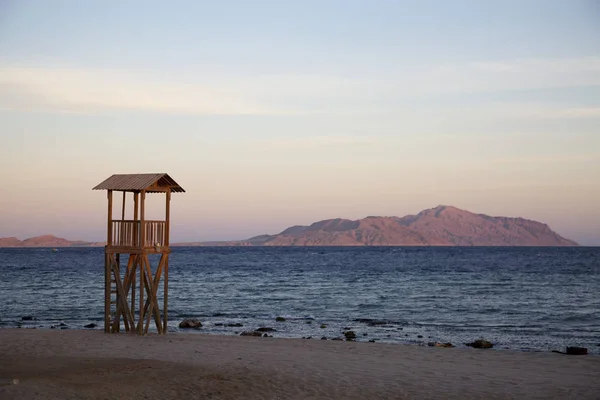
(518, 298)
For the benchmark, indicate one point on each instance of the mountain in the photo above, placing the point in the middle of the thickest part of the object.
(44, 241)
(439, 226)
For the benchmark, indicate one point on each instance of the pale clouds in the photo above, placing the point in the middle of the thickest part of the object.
(512, 75)
(353, 91)
(562, 159)
(90, 91)
(311, 142)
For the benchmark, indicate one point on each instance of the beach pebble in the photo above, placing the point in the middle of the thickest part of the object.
(190, 323)
(480, 344)
(251, 333)
(577, 351)
(437, 344)
(350, 335)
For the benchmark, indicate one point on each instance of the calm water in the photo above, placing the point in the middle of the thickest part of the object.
(518, 298)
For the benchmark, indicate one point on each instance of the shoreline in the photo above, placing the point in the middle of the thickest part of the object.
(91, 364)
(407, 336)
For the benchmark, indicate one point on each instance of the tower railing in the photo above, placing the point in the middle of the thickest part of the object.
(128, 233)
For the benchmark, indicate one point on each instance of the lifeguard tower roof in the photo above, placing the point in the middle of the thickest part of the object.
(151, 183)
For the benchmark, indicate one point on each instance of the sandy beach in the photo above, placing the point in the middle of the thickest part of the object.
(77, 364)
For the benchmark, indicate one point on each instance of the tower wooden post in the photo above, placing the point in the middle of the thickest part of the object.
(137, 238)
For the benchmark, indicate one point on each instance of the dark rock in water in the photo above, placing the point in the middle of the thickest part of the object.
(265, 335)
(365, 334)
(190, 323)
(372, 341)
(266, 329)
(251, 333)
(64, 327)
(89, 326)
(480, 344)
(62, 324)
(308, 337)
(309, 322)
(236, 325)
(372, 322)
(280, 319)
(219, 324)
(324, 338)
(28, 318)
(350, 335)
(577, 351)
(420, 336)
(323, 326)
(337, 338)
(346, 328)
(52, 327)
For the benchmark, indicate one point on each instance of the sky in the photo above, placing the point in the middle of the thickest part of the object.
(278, 113)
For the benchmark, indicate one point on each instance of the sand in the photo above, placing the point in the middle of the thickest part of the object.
(77, 364)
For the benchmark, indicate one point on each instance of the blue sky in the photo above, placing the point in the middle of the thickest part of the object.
(279, 113)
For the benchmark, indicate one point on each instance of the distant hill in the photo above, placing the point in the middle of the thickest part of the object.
(439, 226)
(45, 241)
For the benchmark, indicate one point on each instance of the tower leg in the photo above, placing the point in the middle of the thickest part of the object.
(165, 294)
(107, 299)
(133, 260)
(117, 322)
(140, 325)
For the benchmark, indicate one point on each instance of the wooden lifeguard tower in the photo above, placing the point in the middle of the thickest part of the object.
(136, 238)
